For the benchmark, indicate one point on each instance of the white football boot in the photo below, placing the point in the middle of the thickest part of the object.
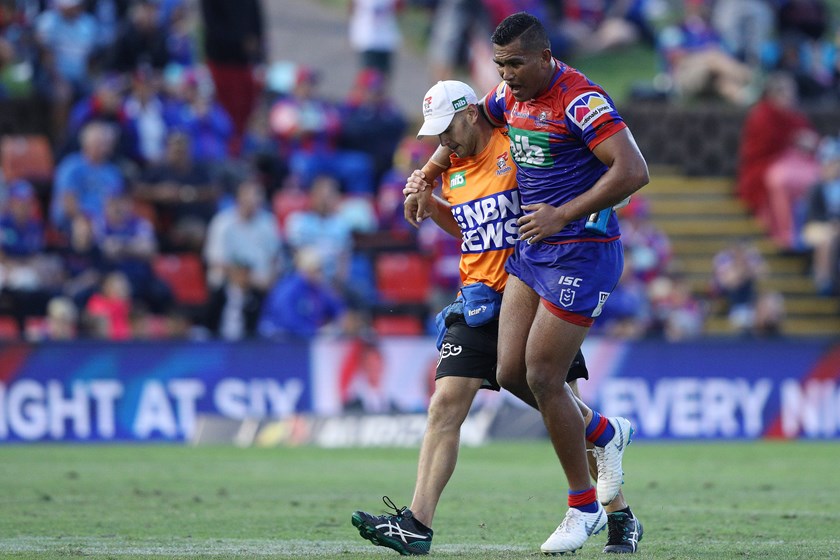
(574, 530)
(608, 459)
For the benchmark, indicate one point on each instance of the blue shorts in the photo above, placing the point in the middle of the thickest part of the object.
(574, 279)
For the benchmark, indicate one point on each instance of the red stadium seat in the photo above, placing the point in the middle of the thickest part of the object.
(35, 327)
(397, 325)
(185, 275)
(8, 328)
(403, 277)
(288, 201)
(26, 157)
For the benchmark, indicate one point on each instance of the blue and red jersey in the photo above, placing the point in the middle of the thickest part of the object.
(552, 138)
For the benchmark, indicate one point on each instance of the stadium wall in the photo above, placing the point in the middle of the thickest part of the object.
(335, 393)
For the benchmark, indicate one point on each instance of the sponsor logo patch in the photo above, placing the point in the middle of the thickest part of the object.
(530, 148)
(459, 103)
(474, 312)
(458, 180)
(586, 109)
(602, 299)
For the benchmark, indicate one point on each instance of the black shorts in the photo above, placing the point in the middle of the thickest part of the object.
(471, 352)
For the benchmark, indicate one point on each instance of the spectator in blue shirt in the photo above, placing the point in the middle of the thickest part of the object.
(202, 118)
(129, 246)
(21, 230)
(302, 303)
(29, 276)
(69, 36)
(84, 180)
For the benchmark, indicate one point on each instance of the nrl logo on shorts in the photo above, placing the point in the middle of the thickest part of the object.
(567, 297)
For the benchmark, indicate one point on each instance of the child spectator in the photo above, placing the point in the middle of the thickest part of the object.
(234, 306)
(82, 262)
(107, 314)
(61, 322)
(737, 271)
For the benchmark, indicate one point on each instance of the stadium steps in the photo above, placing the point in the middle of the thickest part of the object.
(702, 217)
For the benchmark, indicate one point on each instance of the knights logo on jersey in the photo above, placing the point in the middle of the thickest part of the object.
(502, 164)
(541, 120)
(587, 108)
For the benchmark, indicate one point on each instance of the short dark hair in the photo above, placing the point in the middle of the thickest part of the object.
(525, 27)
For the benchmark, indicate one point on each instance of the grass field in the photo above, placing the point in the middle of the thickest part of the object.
(737, 500)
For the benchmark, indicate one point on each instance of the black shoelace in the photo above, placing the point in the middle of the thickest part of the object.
(398, 511)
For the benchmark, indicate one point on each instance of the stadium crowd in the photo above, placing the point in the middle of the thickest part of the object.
(190, 187)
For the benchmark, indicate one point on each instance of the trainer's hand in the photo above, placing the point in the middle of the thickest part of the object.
(418, 201)
(416, 183)
(540, 221)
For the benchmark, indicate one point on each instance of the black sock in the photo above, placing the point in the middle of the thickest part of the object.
(625, 510)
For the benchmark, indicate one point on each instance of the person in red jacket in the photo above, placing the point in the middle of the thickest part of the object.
(771, 127)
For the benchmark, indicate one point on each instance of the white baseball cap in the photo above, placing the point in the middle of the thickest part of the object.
(441, 103)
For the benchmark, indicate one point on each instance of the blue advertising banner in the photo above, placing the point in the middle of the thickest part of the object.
(728, 389)
(154, 391)
(90, 391)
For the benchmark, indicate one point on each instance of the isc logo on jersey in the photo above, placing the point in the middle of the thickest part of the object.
(489, 223)
(587, 107)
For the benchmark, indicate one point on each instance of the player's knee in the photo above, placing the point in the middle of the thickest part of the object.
(508, 378)
(543, 384)
(446, 412)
